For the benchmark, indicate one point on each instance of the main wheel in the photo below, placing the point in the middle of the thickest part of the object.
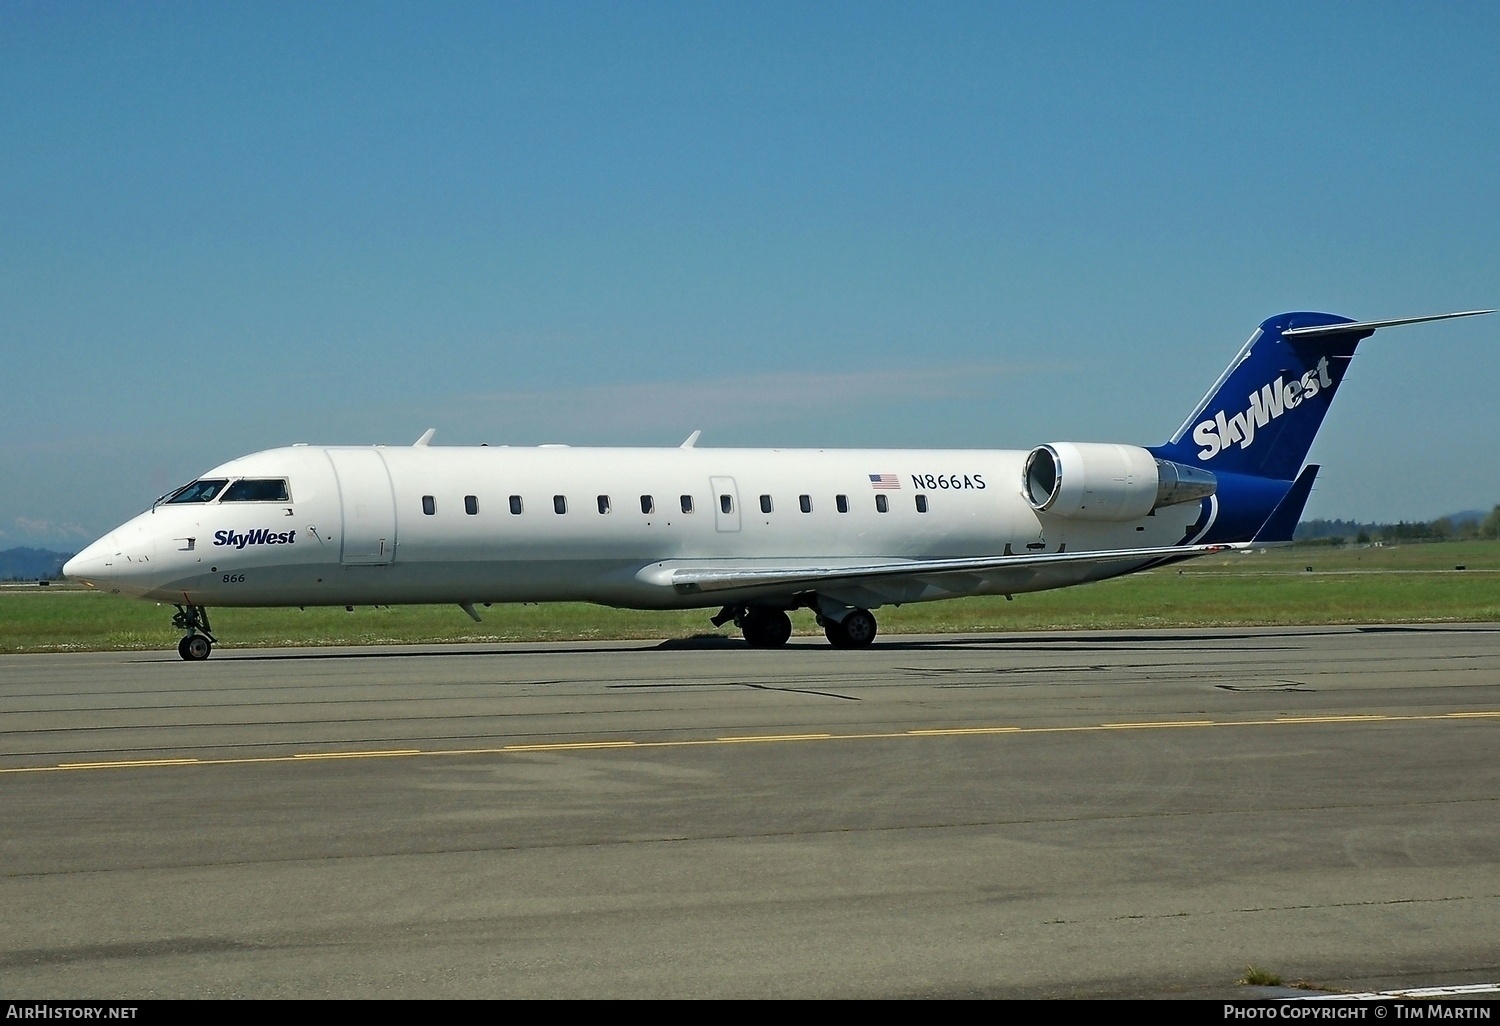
(856, 630)
(194, 647)
(767, 628)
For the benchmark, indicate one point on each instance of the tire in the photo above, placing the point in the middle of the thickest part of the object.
(857, 630)
(767, 628)
(194, 648)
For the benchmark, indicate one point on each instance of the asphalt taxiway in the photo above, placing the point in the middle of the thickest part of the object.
(1081, 814)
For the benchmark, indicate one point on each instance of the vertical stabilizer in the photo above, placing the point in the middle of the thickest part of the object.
(1256, 426)
(1262, 415)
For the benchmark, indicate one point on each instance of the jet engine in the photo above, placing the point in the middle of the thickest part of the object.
(1103, 481)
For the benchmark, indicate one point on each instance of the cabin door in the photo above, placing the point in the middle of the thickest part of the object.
(369, 506)
(726, 500)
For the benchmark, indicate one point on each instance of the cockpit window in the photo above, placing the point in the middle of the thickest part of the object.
(257, 489)
(198, 491)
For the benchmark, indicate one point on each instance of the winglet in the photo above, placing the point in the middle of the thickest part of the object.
(692, 440)
(1282, 523)
(426, 437)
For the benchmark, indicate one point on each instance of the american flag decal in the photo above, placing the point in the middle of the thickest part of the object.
(884, 481)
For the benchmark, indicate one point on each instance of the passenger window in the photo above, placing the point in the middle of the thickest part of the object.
(921, 504)
(842, 502)
(515, 504)
(765, 504)
(805, 502)
(471, 505)
(726, 503)
(251, 489)
(648, 504)
(198, 491)
(428, 506)
(559, 504)
(881, 505)
(687, 503)
(604, 504)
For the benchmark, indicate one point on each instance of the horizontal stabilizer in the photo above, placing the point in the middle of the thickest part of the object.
(1364, 327)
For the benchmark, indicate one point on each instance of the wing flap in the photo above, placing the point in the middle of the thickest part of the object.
(694, 579)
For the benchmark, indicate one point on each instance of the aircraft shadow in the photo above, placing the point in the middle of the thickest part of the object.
(995, 642)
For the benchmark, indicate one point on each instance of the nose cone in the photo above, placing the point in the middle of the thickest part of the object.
(119, 563)
(93, 564)
(73, 569)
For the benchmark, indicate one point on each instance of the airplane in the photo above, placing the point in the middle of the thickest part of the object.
(755, 532)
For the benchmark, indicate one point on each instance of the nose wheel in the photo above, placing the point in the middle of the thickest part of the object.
(194, 647)
(199, 641)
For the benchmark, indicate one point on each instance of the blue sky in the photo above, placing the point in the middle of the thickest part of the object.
(225, 227)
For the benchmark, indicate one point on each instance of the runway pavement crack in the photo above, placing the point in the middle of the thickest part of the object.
(804, 691)
(1308, 907)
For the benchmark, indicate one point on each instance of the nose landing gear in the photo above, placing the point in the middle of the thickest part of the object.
(199, 641)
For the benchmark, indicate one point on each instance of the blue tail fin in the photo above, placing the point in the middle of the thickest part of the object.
(1256, 425)
(1262, 414)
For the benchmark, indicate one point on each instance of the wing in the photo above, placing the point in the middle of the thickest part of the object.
(906, 580)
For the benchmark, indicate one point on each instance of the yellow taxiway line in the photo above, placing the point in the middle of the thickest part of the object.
(605, 745)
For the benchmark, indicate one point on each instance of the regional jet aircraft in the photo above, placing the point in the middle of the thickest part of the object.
(754, 533)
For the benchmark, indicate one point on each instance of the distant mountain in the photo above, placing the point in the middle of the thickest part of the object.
(31, 564)
(1468, 516)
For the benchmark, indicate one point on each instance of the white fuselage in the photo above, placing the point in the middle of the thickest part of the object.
(420, 524)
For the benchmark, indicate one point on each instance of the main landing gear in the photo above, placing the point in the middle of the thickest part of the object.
(765, 627)
(855, 630)
(200, 639)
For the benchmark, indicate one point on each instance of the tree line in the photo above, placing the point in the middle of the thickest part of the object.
(1461, 527)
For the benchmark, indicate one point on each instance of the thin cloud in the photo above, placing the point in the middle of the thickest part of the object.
(55, 530)
(740, 400)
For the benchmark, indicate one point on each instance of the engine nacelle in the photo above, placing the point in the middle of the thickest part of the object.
(1102, 481)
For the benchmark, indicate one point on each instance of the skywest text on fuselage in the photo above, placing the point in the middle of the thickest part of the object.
(260, 536)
